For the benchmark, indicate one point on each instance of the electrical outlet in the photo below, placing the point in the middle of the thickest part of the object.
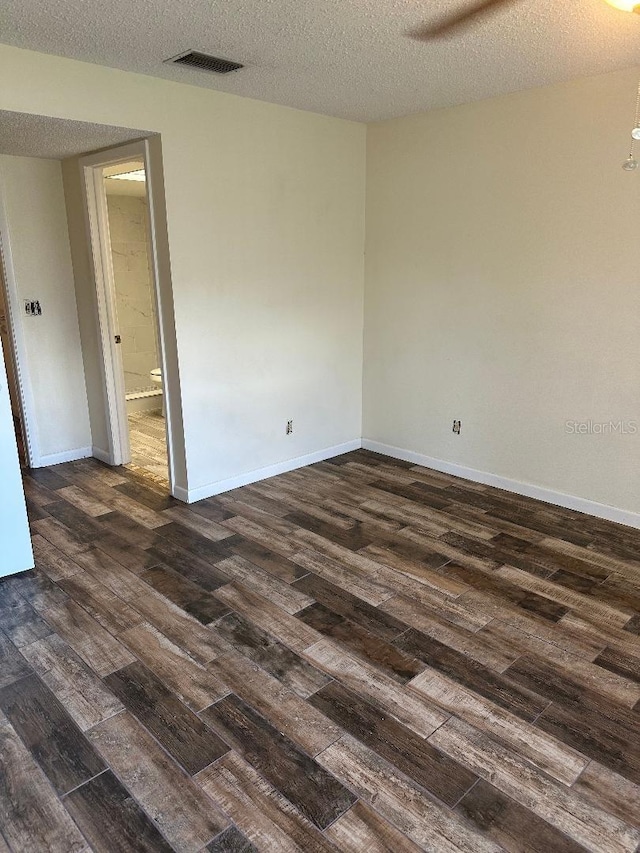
(457, 426)
(289, 427)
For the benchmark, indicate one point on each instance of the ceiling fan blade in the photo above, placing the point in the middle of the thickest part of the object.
(457, 20)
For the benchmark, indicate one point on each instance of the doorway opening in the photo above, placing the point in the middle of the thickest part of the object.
(131, 321)
(68, 389)
(136, 315)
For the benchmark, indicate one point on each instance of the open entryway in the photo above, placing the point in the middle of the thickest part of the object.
(87, 328)
(136, 315)
(122, 228)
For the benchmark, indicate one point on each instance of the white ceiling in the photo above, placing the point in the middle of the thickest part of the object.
(25, 135)
(348, 58)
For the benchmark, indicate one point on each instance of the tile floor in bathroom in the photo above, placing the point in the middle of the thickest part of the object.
(149, 443)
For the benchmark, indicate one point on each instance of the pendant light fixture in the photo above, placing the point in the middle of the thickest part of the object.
(631, 164)
(625, 5)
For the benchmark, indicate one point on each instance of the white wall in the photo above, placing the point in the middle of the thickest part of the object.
(15, 542)
(265, 215)
(502, 287)
(133, 286)
(502, 284)
(34, 205)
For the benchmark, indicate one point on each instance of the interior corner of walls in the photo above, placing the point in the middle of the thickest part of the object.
(49, 360)
(101, 455)
(221, 486)
(180, 487)
(181, 494)
(529, 490)
(84, 289)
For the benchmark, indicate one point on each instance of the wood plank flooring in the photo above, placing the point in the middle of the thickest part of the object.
(148, 441)
(361, 655)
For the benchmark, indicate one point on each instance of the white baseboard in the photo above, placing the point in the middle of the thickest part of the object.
(599, 510)
(65, 456)
(610, 513)
(193, 495)
(182, 494)
(102, 455)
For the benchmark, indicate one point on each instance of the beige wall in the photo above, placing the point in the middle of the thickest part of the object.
(38, 237)
(265, 215)
(86, 302)
(501, 274)
(133, 286)
(502, 287)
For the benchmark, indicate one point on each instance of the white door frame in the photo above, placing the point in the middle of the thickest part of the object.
(98, 228)
(18, 342)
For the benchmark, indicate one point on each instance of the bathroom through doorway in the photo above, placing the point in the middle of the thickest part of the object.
(136, 315)
(135, 329)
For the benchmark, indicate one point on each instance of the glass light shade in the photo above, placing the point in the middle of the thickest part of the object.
(136, 175)
(625, 5)
(630, 165)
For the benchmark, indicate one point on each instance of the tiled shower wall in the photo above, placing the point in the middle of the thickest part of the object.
(134, 295)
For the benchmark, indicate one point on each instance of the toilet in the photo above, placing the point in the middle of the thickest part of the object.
(156, 377)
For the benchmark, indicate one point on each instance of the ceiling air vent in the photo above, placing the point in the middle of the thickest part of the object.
(204, 62)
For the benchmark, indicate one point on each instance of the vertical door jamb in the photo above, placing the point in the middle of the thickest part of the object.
(113, 373)
(17, 342)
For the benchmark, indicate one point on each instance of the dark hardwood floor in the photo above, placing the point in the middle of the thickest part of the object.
(361, 655)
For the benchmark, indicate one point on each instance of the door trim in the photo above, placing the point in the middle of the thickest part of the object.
(18, 342)
(111, 362)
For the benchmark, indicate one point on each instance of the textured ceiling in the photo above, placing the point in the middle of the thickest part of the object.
(26, 135)
(348, 58)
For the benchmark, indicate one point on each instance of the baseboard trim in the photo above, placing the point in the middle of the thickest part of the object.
(65, 456)
(182, 494)
(193, 495)
(610, 513)
(102, 455)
